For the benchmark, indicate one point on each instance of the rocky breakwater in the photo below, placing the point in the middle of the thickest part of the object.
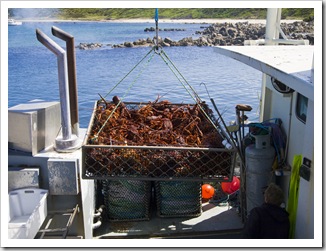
(221, 34)
(237, 33)
(152, 29)
(89, 46)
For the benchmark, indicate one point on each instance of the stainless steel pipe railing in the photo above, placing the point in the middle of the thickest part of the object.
(68, 142)
(72, 83)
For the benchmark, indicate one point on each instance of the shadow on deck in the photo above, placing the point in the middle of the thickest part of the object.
(215, 222)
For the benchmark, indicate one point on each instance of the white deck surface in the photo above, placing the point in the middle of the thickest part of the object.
(214, 220)
(290, 64)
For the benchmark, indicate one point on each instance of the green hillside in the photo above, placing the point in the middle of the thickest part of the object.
(171, 13)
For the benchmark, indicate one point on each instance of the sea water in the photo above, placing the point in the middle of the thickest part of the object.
(33, 74)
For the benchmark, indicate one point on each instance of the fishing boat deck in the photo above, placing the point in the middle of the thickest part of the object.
(221, 221)
(290, 64)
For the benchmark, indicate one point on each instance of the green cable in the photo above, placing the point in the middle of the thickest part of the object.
(173, 69)
(181, 75)
(195, 94)
(127, 91)
(130, 72)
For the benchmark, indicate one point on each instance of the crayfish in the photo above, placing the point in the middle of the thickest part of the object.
(158, 123)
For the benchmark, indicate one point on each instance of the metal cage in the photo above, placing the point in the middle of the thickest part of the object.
(155, 162)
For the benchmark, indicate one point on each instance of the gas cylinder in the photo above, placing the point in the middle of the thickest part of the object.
(259, 162)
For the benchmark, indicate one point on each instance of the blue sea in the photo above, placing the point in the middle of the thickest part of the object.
(33, 74)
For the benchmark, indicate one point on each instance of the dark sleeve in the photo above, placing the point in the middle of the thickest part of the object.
(252, 227)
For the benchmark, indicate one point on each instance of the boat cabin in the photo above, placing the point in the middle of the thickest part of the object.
(288, 94)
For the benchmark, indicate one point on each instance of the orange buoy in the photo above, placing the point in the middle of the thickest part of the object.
(231, 187)
(207, 191)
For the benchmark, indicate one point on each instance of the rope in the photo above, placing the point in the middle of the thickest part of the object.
(127, 91)
(174, 70)
(193, 90)
(194, 96)
(130, 72)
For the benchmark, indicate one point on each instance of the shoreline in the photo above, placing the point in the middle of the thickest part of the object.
(176, 21)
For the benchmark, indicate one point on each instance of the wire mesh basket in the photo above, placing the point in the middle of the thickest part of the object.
(127, 200)
(178, 198)
(113, 154)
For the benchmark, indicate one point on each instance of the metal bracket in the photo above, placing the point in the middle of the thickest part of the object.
(305, 169)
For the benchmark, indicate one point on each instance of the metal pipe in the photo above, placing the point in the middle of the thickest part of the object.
(96, 224)
(254, 42)
(63, 81)
(73, 95)
(291, 41)
(273, 29)
(68, 142)
(97, 214)
(226, 132)
(156, 24)
(99, 211)
(271, 26)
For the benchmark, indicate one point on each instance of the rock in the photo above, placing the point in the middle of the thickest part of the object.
(151, 29)
(310, 37)
(118, 46)
(128, 44)
(87, 46)
(222, 31)
(140, 42)
(187, 41)
(231, 32)
(168, 40)
(164, 44)
(202, 41)
(222, 42)
(174, 43)
(219, 34)
(238, 41)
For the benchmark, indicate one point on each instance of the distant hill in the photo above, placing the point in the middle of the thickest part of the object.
(170, 13)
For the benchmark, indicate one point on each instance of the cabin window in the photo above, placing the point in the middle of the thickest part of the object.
(301, 108)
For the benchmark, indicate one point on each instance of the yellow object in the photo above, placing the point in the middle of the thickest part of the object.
(294, 193)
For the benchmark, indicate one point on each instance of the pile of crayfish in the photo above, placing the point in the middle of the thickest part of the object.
(158, 123)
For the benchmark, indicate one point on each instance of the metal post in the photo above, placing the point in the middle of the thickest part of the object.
(67, 142)
(272, 23)
(156, 23)
(73, 97)
(63, 83)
